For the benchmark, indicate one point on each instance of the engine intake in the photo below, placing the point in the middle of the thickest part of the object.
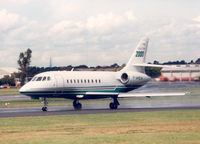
(124, 78)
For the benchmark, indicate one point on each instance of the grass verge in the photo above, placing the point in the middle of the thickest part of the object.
(166, 127)
(9, 91)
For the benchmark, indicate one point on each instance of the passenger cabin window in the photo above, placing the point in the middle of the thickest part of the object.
(48, 78)
(39, 79)
(76, 80)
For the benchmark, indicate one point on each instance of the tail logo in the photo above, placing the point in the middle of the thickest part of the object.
(139, 53)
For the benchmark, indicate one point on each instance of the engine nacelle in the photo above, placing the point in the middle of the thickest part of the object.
(124, 78)
(133, 78)
(127, 78)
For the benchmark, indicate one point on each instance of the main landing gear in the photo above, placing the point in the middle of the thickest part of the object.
(44, 108)
(77, 105)
(114, 104)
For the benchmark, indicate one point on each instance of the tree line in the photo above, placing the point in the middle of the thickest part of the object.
(27, 71)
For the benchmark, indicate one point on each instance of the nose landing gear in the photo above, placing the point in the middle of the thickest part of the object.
(44, 108)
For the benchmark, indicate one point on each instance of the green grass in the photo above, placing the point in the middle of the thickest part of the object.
(166, 127)
(9, 91)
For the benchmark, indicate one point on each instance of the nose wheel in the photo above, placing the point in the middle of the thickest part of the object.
(44, 108)
(77, 105)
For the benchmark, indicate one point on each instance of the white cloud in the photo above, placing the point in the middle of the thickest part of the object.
(62, 8)
(77, 32)
(130, 16)
(197, 19)
(104, 22)
(109, 22)
(66, 27)
(8, 20)
(11, 3)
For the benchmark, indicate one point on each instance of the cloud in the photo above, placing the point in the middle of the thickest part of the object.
(66, 27)
(63, 8)
(8, 20)
(16, 3)
(175, 41)
(104, 22)
(100, 23)
(109, 22)
(99, 38)
(196, 19)
(130, 16)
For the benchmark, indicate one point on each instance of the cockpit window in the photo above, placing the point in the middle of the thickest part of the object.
(44, 78)
(39, 79)
(34, 78)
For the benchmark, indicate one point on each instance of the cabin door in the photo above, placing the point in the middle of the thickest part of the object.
(59, 81)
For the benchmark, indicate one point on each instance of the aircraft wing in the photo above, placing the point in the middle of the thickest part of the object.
(101, 93)
(129, 95)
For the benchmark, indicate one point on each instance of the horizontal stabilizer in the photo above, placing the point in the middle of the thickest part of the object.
(129, 95)
(153, 65)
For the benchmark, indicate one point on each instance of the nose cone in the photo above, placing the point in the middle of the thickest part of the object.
(23, 89)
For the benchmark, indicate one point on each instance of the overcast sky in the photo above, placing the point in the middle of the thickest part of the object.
(98, 32)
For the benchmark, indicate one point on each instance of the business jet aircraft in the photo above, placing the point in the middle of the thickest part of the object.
(77, 85)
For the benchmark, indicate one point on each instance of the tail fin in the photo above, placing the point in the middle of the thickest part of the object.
(138, 56)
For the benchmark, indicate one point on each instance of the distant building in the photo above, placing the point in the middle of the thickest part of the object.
(187, 72)
(7, 71)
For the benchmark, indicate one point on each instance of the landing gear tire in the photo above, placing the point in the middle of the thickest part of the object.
(77, 105)
(44, 108)
(113, 105)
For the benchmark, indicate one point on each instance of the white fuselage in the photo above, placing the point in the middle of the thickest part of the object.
(70, 84)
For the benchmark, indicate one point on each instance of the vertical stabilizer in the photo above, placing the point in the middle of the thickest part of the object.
(138, 56)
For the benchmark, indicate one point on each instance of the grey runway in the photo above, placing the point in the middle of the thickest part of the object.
(188, 102)
(14, 98)
(60, 110)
